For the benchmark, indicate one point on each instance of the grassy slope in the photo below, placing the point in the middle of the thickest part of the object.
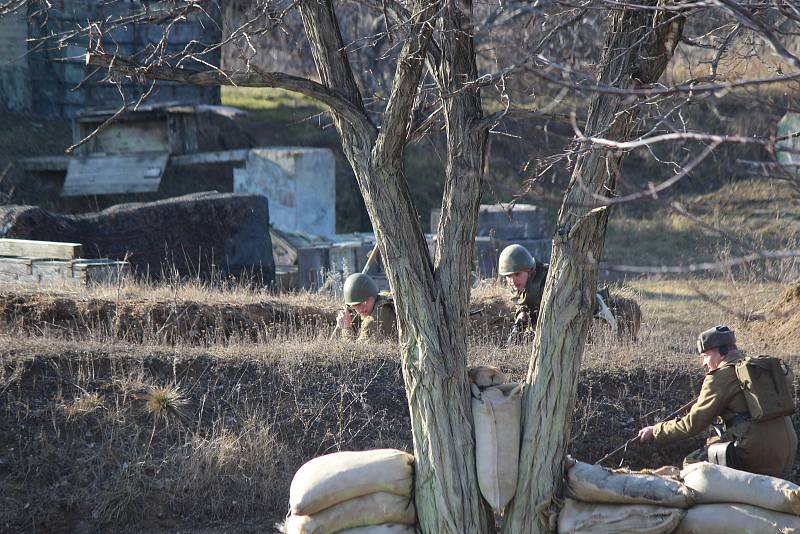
(84, 444)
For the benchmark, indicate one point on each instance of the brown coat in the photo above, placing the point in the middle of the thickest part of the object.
(380, 324)
(766, 447)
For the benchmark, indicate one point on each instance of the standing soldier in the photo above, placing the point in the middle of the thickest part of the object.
(375, 317)
(753, 421)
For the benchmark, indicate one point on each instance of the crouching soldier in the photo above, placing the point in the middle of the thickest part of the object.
(527, 277)
(374, 318)
(754, 432)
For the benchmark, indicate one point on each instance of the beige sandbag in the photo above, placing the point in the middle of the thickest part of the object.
(388, 528)
(581, 517)
(485, 375)
(373, 509)
(726, 518)
(592, 483)
(716, 483)
(497, 419)
(333, 478)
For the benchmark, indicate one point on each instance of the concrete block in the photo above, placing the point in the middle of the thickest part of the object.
(487, 252)
(789, 150)
(312, 264)
(300, 184)
(344, 257)
(520, 221)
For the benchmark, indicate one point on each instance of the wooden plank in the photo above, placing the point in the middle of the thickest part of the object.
(39, 249)
(223, 156)
(61, 273)
(45, 163)
(109, 175)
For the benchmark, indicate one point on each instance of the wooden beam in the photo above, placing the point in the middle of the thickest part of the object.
(223, 156)
(39, 249)
(45, 163)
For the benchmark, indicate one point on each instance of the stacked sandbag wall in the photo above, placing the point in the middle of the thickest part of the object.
(703, 498)
(354, 492)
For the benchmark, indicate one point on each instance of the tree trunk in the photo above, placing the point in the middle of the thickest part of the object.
(638, 48)
(431, 304)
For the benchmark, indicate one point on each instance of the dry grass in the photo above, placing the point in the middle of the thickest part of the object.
(98, 431)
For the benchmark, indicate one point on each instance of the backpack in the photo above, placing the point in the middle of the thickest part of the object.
(763, 380)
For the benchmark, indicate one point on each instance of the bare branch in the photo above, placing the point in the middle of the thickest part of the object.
(255, 78)
(397, 119)
(703, 266)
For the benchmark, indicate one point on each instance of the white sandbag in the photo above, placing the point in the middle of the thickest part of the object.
(581, 517)
(592, 483)
(485, 375)
(373, 509)
(714, 483)
(737, 519)
(496, 415)
(334, 478)
(388, 528)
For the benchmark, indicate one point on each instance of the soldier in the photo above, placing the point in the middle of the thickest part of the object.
(375, 317)
(766, 446)
(527, 276)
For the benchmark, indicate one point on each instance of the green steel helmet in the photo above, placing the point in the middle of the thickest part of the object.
(714, 338)
(515, 258)
(358, 288)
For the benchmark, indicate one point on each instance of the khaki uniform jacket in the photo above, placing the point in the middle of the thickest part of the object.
(380, 324)
(766, 447)
(528, 301)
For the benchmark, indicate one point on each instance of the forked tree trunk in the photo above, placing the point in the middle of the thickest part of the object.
(431, 300)
(638, 48)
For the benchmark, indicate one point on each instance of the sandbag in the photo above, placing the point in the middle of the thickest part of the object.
(387, 528)
(726, 518)
(334, 478)
(485, 375)
(373, 509)
(714, 483)
(592, 483)
(582, 517)
(496, 414)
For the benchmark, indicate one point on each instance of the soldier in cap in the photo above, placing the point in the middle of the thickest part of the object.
(374, 318)
(765, 447)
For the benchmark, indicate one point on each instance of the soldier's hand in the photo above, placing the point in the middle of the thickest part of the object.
(344, 319)
(646, 434)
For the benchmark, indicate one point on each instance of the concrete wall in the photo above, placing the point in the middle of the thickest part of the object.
(15, 88)
(55, 83)
(300, 184)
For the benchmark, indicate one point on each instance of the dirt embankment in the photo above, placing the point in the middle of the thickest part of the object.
(781, 321)
(96, 437)
(201, 322)
(162, 321)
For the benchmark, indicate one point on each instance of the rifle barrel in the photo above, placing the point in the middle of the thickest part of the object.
(634, 438)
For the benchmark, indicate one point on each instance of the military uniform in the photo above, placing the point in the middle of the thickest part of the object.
(765, 447)
(528, 301)
(380, 324)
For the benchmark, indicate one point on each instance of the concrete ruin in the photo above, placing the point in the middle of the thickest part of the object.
(500, 225)
(47, 80)
(201, 235)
